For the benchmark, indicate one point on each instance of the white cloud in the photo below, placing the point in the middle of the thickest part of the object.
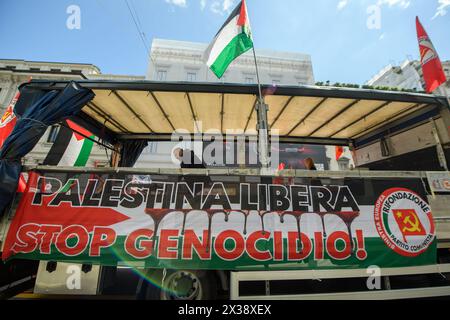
(216, 7)
(221, 6)
(179, 3)
(227, 5)
(403, 4)
(202, 4)
(342, 4)
(442, 8)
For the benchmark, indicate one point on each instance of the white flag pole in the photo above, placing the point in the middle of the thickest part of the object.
(263, 127)
(261, 98)
(443, 91)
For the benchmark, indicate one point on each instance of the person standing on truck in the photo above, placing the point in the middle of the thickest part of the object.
(309, 164)
(188, 159)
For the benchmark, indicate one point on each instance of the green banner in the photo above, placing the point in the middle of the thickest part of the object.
(223, 222)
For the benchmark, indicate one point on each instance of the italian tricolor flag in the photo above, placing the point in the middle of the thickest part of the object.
(232, 40)
(71, 147)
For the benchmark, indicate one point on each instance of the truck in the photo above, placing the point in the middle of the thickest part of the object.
(237, 229)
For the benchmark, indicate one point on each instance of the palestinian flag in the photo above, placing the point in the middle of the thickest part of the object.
(71, 147)
(232, 40)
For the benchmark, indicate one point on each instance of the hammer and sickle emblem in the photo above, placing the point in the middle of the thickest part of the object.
(6, 115)
(414, 225)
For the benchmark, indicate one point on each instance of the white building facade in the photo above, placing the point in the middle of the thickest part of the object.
(184, 61)
(179, 61)
(407, 75)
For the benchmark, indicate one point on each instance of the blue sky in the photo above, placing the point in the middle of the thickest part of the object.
(333, 32)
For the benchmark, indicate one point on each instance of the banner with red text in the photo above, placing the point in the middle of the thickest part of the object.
(226, 222)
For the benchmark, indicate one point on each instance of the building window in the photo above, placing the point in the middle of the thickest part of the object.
(151, 148)
(35, 69)
(55, 70)
(191, 76)
(11, 67)
(343, 164)
(101, 164)
(161, 75)
(276, 81)
(51, 138)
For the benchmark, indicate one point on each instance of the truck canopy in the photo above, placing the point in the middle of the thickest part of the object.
(321, 115)
(129, 113)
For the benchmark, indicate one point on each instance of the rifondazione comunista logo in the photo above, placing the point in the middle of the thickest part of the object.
(404, 221)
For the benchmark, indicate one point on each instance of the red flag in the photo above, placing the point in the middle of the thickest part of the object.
(433, 73)
(339, 152)
(7, 123)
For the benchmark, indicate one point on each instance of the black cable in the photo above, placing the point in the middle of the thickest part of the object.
(139, 22)
(84, 136)
(107, 157)
(137, 28)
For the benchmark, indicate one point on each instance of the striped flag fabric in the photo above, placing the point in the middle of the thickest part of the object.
(71, 147)
(232, 40)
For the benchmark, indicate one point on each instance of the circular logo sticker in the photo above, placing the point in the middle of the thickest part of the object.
(404, 222)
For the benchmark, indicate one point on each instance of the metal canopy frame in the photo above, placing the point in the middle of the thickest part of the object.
(383, 294)
(161, 109)
(335, 116)
(131, 110)
(423, 102)
(411, 120)
(304, 91)
(208, 137)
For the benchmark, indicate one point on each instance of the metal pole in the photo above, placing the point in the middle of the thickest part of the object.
(439, 148)
(115, 156)
(443, 92)
(445, 112)
(260, 97)
(262, 126)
